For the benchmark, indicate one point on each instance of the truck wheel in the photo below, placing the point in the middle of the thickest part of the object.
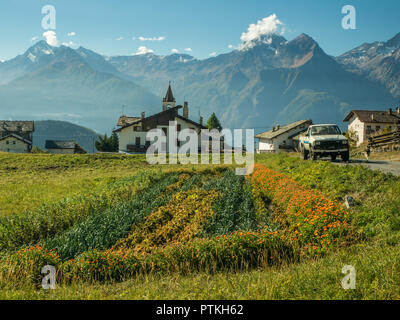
(346, 156)
(304, 153)
(333, 157)
(313, 155)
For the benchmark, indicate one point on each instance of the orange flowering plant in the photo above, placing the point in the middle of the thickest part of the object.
(98, 265)
(305, 216)
(25, 265)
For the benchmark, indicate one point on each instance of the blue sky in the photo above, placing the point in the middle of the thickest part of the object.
(206, 26)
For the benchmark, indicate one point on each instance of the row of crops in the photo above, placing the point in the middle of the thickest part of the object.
(180, 221)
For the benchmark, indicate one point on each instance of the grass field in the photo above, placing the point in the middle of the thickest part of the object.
(118, 228)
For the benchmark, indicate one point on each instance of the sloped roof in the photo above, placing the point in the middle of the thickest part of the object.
(124, 120)
(16, 126)
(373, 116)
(191, 122)
(169, 97)
(273, 134)
(150, 117)
(53, 144)
(16, 137)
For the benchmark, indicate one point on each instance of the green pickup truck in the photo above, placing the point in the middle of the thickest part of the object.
(324, 140)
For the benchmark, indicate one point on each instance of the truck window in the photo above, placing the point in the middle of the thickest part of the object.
(325, 130)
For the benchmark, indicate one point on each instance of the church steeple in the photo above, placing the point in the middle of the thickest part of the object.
(169, 100)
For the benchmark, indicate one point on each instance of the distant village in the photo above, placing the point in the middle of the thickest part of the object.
(17, 136)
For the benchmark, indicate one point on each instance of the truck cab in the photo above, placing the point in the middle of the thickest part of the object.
(324, 140)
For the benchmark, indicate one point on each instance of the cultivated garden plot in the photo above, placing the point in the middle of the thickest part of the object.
(188, 222)
(181, 221)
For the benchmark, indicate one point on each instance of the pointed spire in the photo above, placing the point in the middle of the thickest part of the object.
(169, 97)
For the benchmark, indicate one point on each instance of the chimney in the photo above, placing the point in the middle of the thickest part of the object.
(201, 121)
(390, 111)
(143, 115)
(273, 129)
(278, 127)
(372, 117)
(186, 110)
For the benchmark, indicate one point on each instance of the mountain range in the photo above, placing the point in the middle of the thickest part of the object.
(63, 130)
(268, 81)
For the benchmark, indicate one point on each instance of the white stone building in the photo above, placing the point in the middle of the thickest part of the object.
(364, 123)
(280, 139)
(133, 130)
(15, 144)
(16, 136)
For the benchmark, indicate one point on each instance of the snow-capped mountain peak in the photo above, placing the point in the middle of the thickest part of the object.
(272, 41)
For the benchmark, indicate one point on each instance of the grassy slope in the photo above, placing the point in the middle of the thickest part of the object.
(26, 181)
(376, 257)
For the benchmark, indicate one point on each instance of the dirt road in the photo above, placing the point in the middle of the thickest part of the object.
(385, 166)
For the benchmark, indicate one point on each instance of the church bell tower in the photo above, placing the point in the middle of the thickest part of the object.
(169, 100)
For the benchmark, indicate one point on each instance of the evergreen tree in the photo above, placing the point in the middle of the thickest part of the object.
(108, 144)
(115, 142)
(213, 123)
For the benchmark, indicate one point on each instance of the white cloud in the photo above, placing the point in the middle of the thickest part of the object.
(175, 51)
(2, 61)
(120, 38)
(188, 50)
(213, 54)
(59, 115)
(144, 50)
(71, 34)
(69, 44)
(265, 26)
(51, 38)
(34, 39)
(151, 39)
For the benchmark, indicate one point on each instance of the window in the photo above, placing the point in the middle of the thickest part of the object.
(165, 131)
(7, 142)
(137, 141)
(325, 130)
(178, 128)
(13, 142)
(378, 128)
(369, 129)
